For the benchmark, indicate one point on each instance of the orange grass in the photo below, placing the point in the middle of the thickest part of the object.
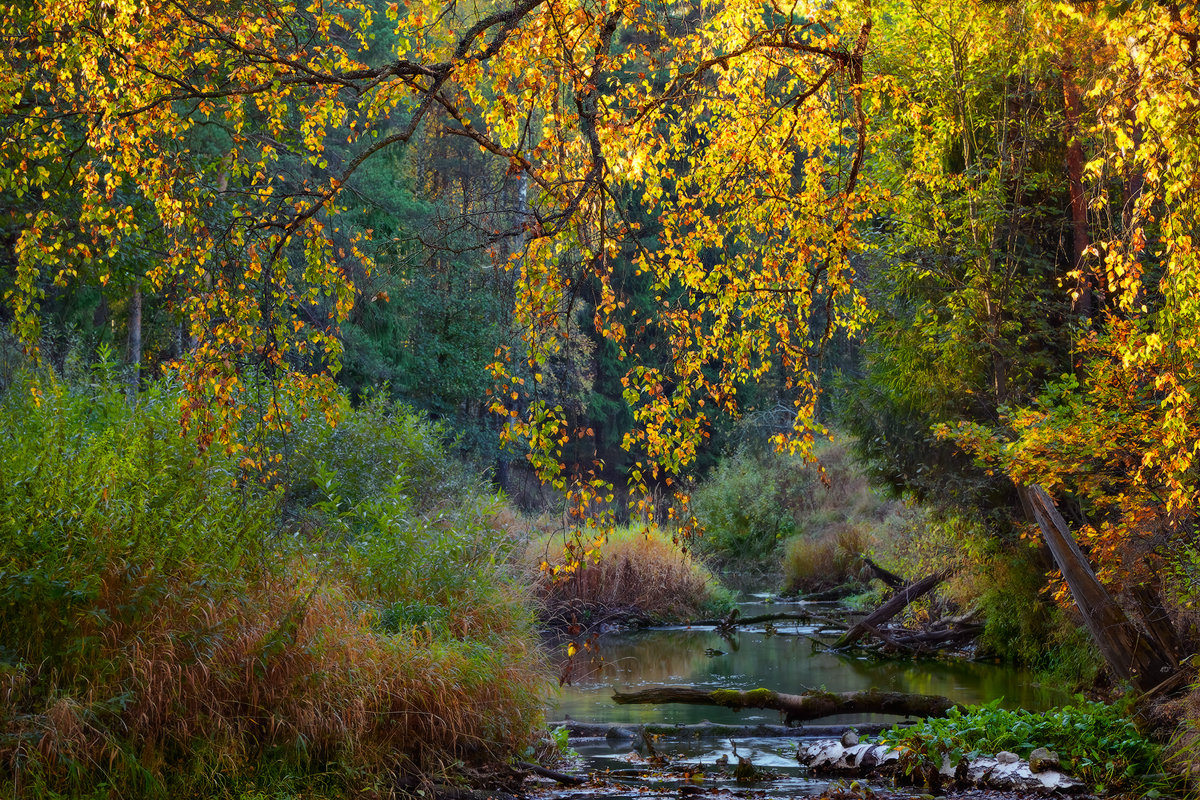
(281, 666)
(164, 633)
(813, 564)
(638, 575)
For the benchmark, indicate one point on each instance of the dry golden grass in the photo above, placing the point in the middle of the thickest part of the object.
(639, 574)
(814, 564)
(282, 667)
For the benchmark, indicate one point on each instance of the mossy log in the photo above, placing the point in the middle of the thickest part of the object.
(703, 730)
(797, 707)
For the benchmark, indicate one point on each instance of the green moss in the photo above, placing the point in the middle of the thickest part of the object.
(760, 698)
(729, 698)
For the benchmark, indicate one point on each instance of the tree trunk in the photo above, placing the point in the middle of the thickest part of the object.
(797, 707)
(892, 580)
(889, 609)
(133, 352)
(1131, 654)
(1081, 302)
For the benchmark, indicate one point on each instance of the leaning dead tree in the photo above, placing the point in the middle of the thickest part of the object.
(796, 707)
(1134, 655)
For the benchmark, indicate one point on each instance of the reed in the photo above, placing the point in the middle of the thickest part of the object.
(637, 574)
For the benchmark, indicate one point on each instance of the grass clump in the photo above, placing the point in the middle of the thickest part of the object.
(172, 625)
(1095, 741)
(833, 559)
(637, 574)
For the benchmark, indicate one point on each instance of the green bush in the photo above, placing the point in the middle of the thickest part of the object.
(753, 501)
(168, 630)
(1095, 741)
(1022, 627)
(743, 508)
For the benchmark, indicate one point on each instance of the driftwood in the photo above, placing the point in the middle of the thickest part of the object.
(797, 707)
(702, 730)
(559, 777)
(733, 621)
(939, 637)
(890, 608)
(836, 593)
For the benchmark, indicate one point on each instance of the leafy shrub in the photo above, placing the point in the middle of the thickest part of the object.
(1095, 741)
(167, 629)
(1022, 627)
(741, 509)
(754, 501)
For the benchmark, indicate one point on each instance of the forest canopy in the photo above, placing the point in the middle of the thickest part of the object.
(995, 202)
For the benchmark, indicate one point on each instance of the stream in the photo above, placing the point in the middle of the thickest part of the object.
(781, 656)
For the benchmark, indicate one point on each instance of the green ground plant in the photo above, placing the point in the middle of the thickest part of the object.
(1097, 742)
(174, 626)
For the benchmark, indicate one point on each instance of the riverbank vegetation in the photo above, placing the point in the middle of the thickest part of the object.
(1096, 741)
(637, 575)
(176, 624)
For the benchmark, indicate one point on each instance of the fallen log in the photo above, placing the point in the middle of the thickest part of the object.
(939, 637)
(800, 616)
(796, 707)
(890, 609)
(1004, 771)
(836, 593)
(701, 730)
(562, 778)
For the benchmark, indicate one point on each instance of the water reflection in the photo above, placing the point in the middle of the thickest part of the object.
(787, 661)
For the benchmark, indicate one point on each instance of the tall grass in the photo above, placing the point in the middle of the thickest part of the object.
(170, 626)
(827, 561)
(639, 574)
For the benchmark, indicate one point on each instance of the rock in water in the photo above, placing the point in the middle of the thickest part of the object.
(849, 739)
(1005, 771)
(1043, 760)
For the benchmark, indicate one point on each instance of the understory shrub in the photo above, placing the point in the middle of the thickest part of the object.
(754, 501)
(636, 573)
(167, 629)
(1022, 626)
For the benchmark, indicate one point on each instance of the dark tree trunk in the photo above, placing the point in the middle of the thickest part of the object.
(133, 353)
(1082, 298)
(891, 608)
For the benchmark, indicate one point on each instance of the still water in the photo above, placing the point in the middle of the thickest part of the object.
(785, 657)
(786, 660)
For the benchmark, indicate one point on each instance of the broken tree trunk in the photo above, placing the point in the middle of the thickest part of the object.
(890, 609)
(797, 707)
(890, 578)
(1133, 655)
